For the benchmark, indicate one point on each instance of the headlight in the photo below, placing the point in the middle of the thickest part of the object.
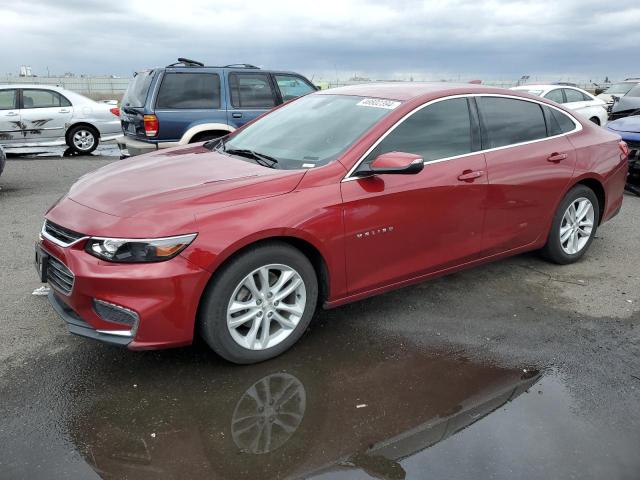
(137, 250)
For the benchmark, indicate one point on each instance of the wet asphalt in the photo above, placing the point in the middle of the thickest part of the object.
(518, 369)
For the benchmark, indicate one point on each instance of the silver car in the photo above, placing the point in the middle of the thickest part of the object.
(42, 116)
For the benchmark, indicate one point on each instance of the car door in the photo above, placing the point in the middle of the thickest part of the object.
(402, 226)
(530, 163)
(10, 124)
(251, 94)
(45, 115)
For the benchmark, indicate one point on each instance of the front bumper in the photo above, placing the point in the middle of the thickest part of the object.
(163, 296)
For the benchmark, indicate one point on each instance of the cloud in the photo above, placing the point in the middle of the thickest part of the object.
(426, 39)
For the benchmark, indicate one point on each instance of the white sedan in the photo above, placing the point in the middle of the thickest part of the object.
(41, 116)
(571, 97)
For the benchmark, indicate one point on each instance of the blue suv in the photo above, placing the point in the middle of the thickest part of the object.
(188, 102)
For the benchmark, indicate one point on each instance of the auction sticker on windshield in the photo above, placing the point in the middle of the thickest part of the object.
(378, 103)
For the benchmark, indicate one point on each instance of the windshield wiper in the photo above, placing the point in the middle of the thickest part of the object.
(260, 158)
(217, 143)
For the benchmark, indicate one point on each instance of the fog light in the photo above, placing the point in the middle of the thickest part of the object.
(111, 312)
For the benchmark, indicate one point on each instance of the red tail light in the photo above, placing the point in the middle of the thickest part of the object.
(151, 125)
(115, 111)
(624, 148)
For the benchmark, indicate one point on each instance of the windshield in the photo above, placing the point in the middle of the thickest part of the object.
(312, 130)
(619, 88)
(136, 93)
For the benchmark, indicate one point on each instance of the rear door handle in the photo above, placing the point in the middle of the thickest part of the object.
(63, 110)
(557, 157)
(11, 114)
(470, 175)
(236, 115)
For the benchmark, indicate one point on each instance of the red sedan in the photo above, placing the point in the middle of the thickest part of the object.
(328, 199)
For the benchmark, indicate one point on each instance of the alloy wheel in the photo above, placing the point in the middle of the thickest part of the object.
(83, 140)
(577, 225)
(266, 306)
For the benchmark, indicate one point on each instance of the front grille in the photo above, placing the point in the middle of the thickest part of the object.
(63, 235)
(59, 276)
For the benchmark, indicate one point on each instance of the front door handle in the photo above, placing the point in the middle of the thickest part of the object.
(470, 175)
(236, 115)
(556, 157)
(11, 114)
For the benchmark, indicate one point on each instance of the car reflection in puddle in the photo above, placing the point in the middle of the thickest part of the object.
(278, 421)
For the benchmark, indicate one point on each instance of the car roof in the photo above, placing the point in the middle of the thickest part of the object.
(403, 91)
(31, 85)
(540, 86)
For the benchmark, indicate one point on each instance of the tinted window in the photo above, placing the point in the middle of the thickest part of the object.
(574, 95)
(136, 93)
(510, 121)
(555, 96)
(564, 122)
(292, 87)
(8, 99)
(43, 99)
(251, 90)
(440, 130)
(189, 90)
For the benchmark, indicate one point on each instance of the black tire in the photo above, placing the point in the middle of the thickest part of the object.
(553, 250)
(86, 131)
(213, 310)
(595, 120)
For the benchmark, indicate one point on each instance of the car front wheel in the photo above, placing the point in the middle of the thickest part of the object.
(574, 226)
(259, 304)
(82, 140)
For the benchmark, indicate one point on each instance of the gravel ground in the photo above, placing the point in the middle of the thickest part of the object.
(579, 325)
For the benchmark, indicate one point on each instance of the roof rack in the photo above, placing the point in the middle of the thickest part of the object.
(241, 65)
(187, 63)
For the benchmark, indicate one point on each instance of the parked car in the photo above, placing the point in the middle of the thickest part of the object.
(617, 89)
(43, 116)
(331, 198)
(3, 160)
(626, 105)
(187, 102)
(571, 97)
(629, 129)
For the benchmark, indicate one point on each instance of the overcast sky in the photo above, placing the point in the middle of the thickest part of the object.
(324, 38)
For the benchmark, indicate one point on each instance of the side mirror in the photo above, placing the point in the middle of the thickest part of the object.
(393, 163)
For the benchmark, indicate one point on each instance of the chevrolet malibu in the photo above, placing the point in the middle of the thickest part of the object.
(333, 197)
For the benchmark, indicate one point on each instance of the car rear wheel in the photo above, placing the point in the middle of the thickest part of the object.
(82, 139)
(259, 304)
(574, 226)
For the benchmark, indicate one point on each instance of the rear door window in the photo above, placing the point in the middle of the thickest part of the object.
(43, 99)
(555, 96)
(574, 96)
(8, 99)
(251, 90)
(291, 86)
(194, 91)
(508, 121)
(439, 130)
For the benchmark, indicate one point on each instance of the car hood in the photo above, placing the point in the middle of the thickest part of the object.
(625, 124)
(180, 178)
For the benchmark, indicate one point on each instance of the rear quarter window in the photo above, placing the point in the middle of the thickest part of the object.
(199, 91)
(508, 121)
